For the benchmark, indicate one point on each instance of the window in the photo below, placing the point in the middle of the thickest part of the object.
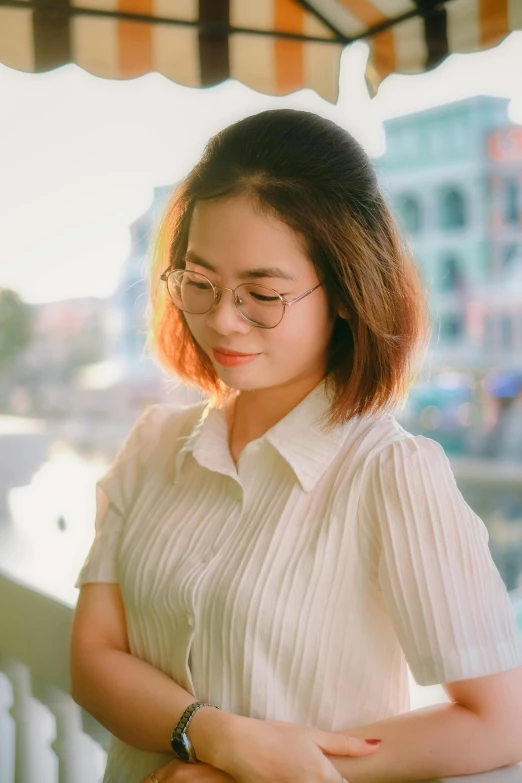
(511, 203)
(451, 327)
(489, 331)
(460, 135)
(437, 140)
(509, 255)
(452, 209)
(506, 331)
(409, 210)
(451, 274)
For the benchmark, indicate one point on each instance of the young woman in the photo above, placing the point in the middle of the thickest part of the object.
(269, 561)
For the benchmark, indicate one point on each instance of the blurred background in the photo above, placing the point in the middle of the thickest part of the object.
(86, 166)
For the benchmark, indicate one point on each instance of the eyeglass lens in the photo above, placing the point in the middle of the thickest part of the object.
(193, 293)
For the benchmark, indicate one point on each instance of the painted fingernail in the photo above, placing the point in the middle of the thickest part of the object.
(373, 741)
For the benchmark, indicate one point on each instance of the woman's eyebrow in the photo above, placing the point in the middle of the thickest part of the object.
(265, 271)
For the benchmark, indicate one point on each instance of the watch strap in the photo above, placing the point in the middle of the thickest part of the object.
(179, 740)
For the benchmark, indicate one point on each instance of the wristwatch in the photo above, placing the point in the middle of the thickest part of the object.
(179, 741)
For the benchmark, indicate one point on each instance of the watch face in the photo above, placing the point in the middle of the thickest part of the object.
(179, 748)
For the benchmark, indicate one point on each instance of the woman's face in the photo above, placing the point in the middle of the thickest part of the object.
(228, 240)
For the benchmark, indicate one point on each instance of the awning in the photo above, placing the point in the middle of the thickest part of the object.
(273, 46)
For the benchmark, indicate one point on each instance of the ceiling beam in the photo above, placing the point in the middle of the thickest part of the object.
(425, 8)
(312, 10)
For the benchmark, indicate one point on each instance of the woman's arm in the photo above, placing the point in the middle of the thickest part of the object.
(132, 699)
(479, 731)
(141, 706)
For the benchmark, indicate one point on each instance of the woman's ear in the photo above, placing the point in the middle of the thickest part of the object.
(344, 314)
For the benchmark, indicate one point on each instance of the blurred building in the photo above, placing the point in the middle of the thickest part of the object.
(88, 357)
(144, 380)
(131, 296)
(66, 335)
(453, 175)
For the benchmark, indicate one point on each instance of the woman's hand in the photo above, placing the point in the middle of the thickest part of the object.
(260, 751)
(177, 771)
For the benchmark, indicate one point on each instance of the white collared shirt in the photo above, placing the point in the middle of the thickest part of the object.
(300, 585)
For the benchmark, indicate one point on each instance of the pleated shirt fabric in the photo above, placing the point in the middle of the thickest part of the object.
(301, 584)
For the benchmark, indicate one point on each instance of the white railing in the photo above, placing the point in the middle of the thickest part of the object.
(45, 737)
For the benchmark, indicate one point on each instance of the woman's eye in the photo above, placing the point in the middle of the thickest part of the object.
(198, 284)
(263, 298)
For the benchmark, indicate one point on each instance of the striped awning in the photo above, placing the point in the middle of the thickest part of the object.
(273, 46)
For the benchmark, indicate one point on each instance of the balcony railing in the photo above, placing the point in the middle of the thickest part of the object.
(45, 737)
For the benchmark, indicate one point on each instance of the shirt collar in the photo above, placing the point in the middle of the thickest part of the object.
(301, 440)
(298, 437)
(208, 443)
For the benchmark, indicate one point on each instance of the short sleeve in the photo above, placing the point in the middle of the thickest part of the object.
(115, 492)
(445, 597)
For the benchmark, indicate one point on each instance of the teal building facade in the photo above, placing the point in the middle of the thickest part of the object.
(453, 177)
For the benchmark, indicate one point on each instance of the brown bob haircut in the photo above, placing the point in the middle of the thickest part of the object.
(315, 177)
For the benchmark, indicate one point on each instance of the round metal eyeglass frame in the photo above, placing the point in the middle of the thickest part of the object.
(218, 291)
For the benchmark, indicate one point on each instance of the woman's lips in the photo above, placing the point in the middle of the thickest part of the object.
(232, 360)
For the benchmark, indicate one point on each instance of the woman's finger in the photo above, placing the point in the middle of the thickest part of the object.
(336, 743)
(151, 778)
(178, 772)
(160, 775)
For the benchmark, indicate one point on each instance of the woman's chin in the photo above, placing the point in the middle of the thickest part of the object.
(233, 381)
(240, 379)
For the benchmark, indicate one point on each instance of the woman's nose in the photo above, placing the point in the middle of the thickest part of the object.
(224, 316)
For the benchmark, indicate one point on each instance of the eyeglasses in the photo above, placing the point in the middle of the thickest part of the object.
(258, 305)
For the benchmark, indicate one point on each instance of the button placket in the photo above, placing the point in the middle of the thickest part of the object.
(232, 519)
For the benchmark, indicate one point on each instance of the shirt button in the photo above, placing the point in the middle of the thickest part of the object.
(190, 622)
